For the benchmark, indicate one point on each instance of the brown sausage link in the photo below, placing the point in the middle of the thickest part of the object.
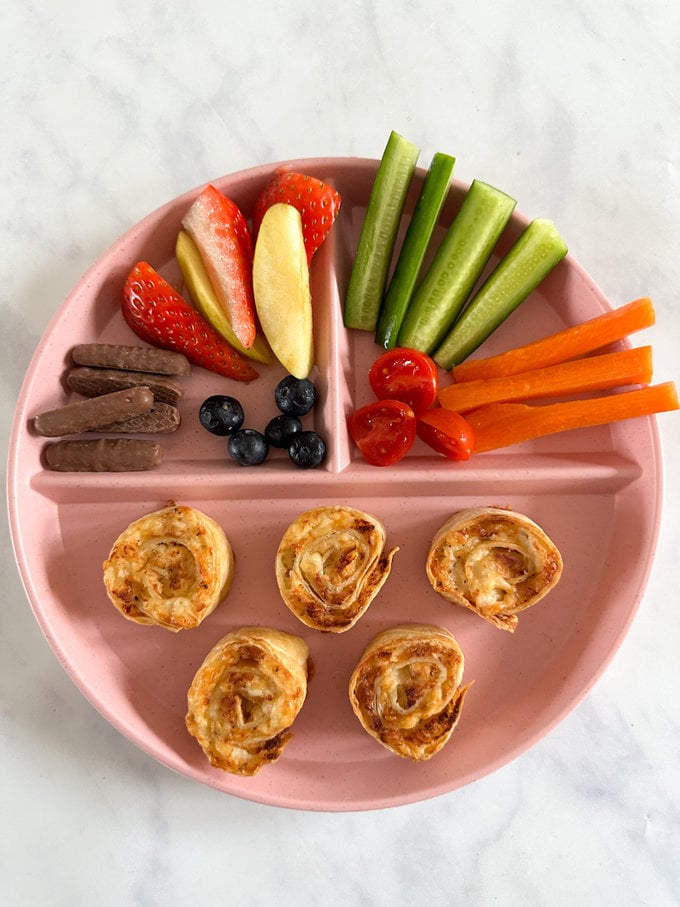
(131, 358)
(92, 382)
(103, 455)
(90, 414)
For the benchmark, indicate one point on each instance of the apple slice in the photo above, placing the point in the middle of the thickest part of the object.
(281, 285)
(204, 298)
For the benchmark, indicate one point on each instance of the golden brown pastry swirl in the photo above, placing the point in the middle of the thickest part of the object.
(406, 689)
(246, 695)
(170, 568)
(493, 561)
(330, 565)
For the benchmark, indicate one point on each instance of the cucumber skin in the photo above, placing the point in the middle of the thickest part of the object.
(416, 241)
(539, 248)
(378, 233)
(433, 308)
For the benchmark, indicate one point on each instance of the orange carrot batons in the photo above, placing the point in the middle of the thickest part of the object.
(513, 423)
(574, 341)
(632, 366)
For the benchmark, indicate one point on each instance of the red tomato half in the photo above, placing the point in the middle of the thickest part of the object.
(383, 431)
(406, 375)
(447, 432)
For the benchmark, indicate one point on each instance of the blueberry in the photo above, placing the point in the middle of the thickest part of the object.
(248, 447)
(221, 415)
(295, 396)
(280, 430)
(307, 449)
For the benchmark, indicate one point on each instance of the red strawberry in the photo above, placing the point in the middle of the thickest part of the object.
(160, 316)
(317, 202)
(219, 229)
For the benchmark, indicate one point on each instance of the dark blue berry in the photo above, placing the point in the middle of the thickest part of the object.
(307, 449)
(280, 430)
(248, 447)
(221, 415)
(295, 396)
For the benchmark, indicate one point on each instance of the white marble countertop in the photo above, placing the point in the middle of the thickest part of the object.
(109, 112)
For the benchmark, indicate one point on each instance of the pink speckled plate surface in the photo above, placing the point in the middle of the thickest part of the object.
(596, 492)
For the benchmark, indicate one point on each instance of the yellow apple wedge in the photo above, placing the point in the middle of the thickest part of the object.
(204, 299)
(281, 284)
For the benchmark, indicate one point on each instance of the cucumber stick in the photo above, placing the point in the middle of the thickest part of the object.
(457, 266)
(407, 269)
(539, 248)
(379, 233)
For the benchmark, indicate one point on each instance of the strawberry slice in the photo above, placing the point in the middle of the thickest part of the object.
(220, 231)
(317, 202)
(160, 316)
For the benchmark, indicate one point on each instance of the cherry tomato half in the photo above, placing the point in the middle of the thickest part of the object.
(383, 431)
(447, 432)
(406, 375)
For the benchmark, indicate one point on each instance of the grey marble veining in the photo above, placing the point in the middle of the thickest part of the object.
(110, 111)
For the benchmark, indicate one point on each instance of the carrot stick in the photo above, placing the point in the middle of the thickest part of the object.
(567, 344)
(632, 366)
(514, 422)
(492, 413)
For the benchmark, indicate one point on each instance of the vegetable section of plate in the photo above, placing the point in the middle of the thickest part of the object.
(412, 445)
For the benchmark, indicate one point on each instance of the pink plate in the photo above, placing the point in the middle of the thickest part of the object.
(596, 492)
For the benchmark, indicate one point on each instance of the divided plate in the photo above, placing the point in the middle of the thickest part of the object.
(596, 492)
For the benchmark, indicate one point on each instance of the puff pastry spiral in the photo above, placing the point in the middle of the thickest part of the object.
(406, 689)
(493, 561)
(330, 565)
(170, 568)
(246, 695)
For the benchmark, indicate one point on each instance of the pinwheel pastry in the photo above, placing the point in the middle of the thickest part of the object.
(406, 689)
(246, 695)
(330, 565)
(494, 561)
(170, 568)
